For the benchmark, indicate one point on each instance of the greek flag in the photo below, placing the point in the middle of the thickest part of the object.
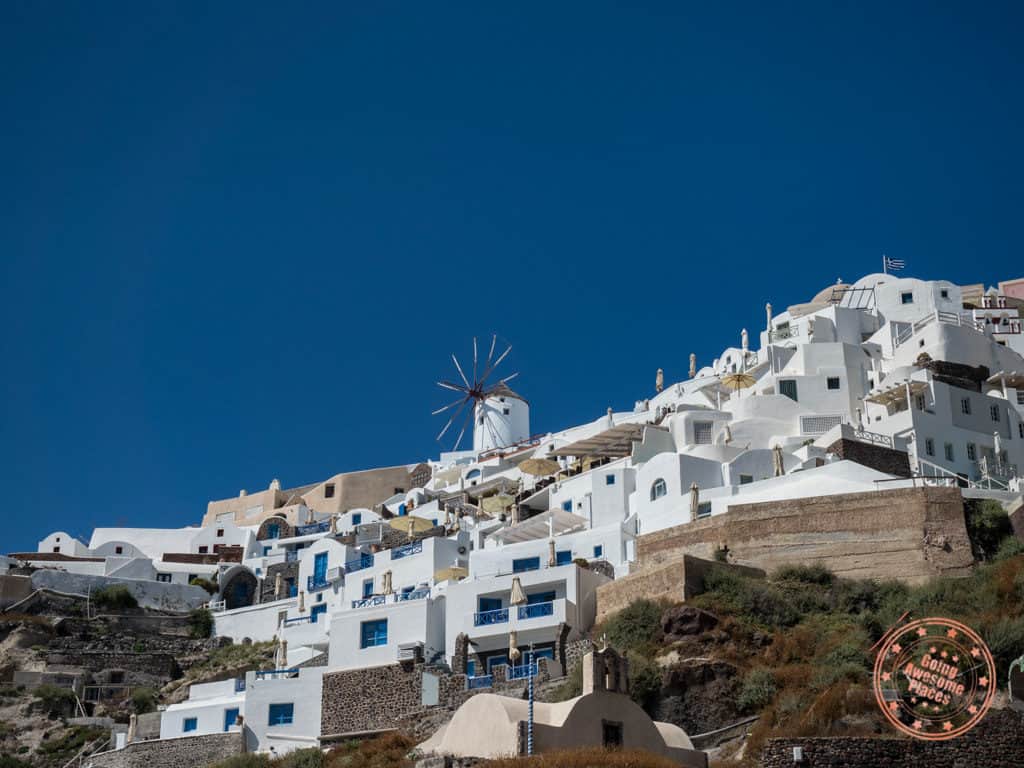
(893, 265)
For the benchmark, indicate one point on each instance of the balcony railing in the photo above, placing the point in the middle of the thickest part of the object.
(483, 618)
(536, 610)
(416, 594)
(522, 672)
(305, 530)
(291, 555)
(368, 602)
(297, 620)
(316, 583)
(274, 674)
(398, 597)
(364, 561)
(406, 550)
(480, 681)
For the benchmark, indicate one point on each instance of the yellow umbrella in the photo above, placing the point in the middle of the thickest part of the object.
(453, 573)
(539, 467)
(410, 524)
(738, 381)
(493, 505)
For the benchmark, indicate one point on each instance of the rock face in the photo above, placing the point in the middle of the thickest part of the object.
(685, 620)
(698, 695)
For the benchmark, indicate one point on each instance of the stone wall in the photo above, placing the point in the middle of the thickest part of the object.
(172, 753)
(161, 665)
(996, 742)
(911, 534)
(269, 581)
(676, 580)
(878, 457)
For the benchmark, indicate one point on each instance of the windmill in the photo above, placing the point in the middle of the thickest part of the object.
(490, 431)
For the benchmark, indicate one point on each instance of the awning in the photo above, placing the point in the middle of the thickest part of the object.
(612, 443)
(553, 522)
(1014, 379)
(897, 393)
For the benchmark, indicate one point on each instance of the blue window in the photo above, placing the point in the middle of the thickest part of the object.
(496, 661)
(567, 505)
(526, 564)
(293, 589)
(230, 717)
(564, 557)
(373, 633)
(320, 567)
(367, 588)
(470, 668)
(599, 551)
(316, 611)
(281, 714)
(189, 724)
(544, 653)
(609, 479)
(540, 597)
(273, 531)
(489, 604)
(357, 518)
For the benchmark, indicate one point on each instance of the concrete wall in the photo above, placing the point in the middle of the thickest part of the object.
(150, 594)
(910, 534)
(171, 753)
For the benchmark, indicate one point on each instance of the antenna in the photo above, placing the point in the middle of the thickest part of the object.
(472, 391)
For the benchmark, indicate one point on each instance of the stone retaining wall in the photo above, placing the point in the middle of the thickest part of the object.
(878, 457)
(997, 742)
(911, 534)
(172, 753)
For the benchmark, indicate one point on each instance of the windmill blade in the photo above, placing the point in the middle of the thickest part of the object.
(463, 432)
(497, 387)
(490, 355)
(453, 387)
(453, 418)
(509, 378)
(474, 359)
(444, 408)
(459, 369)
(496, 364)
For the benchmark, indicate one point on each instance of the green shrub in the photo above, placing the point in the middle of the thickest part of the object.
(54, 701)
(200, 623)
(1005, 639)
(249, 760)
(199, 581)
(806, 574)
(143, 700)
(1009, 547)
(301, 758)
(750, 599)
(757, 691)
(644, 680)
(636, 626)
(115, 598)
(987, 526)
(6, 761)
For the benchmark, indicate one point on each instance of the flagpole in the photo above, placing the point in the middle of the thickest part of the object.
(885, 265)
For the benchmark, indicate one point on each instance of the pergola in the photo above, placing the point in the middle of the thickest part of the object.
(1006, 379)
(897, 394)
(554, 522)
(613, 443)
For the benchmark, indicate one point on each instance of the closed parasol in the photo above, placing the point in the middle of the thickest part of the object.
(777, 463)
(518, 596)
(385, 586)
(552, 557)
(513, 651)
(694, 501)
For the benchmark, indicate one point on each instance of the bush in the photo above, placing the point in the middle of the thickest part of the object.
(199, 581)
(6, 761)
(249, 760)
(750, 599)
(301, 758)
(55, 702)
(805, 574)
(645, 680)
(143, 700)
(115, 598)
(1009, 547)
(1005, 639)
(386, 751)
(757, 691)
(587, 757)
(200, 623)
(635, 627)
(987, 526)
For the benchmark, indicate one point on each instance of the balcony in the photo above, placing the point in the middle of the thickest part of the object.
(406, 550)
(536, 611)
(399, 597)
(306, 530)
(369, 602)
(291, 555)
(316, 583)
(518, 617)
(485, 618)
(416, 594)
(523, 671)
(480, 681)
(364, 561)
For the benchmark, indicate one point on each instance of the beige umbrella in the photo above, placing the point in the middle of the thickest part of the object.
(495, 505)
(410, 524)
(452, 573)
(334, 524)
(513, 651)
(133, 724)
(997, 447)
(552, 558)
(518, 596)
(728, 434)
(659, 380)
(777, 464)
(447, 517)
(449, 476)
(385, 587)
(738, 381)
(278, 586)
(302, 601)
(281, 656)
(539, 467)
(693, 365)
(694, 501)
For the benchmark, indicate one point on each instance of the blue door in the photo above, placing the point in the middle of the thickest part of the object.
(490, 604)
(320, 568)
(317, 610)
(230, 716)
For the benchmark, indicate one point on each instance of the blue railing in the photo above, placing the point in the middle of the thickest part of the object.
(367, 602)
(291, 555)
(305, 530)
(484, 618)
(521, 672)
(481, 681)
(536, 610)
(297, 620)
(316, 583)
(407, 549)
(416, 594)
(365, 561)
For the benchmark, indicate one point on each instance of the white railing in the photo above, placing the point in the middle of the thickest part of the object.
(874, 438)
(215, 606)
(946, 318)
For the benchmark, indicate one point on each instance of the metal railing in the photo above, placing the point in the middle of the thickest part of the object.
(479, 681)
(291, 555)
(396, 597)
(406, 550)
(368, 602)
(521, 672)
(874, 438)
(416, 594)
(316, 583)
(305, 530)
(215, 605)
(484, 618)
(536, 610)
(364, 561)
(297, 620)
(274, 674)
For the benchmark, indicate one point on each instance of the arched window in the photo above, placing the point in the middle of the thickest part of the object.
(658, 490)
(472, 473)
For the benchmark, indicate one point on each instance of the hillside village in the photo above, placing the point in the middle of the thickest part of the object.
(848, 434)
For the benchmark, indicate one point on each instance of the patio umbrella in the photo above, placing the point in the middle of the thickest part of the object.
(694, 501)
(278, 586)
(777, 464)
(539, 467)
(693, 365)
(513, 651)
(410, 524)
(659, 380)
(453, 573)
(738, 381)
(728, 434)
(334, 524)
(281, 656)
(302, 601)
(495, 505)
(385, 587)
(552, 559)
(997, 446)
(518, 597)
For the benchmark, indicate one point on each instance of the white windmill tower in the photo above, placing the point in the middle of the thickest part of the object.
(500, 416)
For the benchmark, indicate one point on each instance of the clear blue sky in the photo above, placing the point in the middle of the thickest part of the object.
(239, 240)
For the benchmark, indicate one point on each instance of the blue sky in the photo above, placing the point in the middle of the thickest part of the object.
(239, 241)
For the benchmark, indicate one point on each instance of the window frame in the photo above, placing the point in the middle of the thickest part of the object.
(838, 383)
(659, 489)
(375, 637)
(189, 724)
(929, 447)
(906, 297)
(965, 406)
(525, 564)
(285, 713)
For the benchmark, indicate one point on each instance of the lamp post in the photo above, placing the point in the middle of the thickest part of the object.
(529, 720)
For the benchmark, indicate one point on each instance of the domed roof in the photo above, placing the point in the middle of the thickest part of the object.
(825, 294)
(503, 390)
